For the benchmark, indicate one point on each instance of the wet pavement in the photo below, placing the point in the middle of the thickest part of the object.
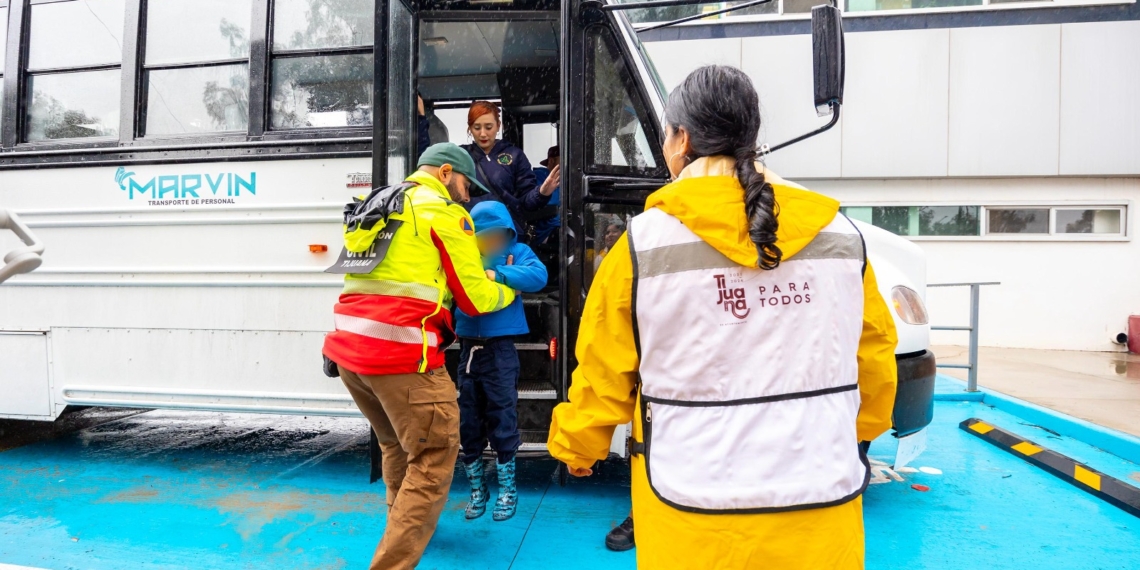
(1100, 387)
(205, 490)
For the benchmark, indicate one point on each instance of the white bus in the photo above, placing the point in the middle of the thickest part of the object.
(186, 162)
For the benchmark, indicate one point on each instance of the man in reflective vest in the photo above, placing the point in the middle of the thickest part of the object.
(392, 326)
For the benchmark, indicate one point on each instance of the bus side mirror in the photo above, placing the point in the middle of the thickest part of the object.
(827, 56)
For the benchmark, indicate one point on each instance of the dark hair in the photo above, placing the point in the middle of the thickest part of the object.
(719, 108)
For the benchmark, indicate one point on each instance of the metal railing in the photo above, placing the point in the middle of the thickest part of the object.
(22, 259)
(972, 366)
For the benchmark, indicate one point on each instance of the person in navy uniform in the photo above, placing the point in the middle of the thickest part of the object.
(504, 169)
(546, 227)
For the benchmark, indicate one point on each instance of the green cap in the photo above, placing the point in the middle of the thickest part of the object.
(450, 153)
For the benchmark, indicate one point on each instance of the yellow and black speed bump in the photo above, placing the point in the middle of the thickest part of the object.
(1090, 480)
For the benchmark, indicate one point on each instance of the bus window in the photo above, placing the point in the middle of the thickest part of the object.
(455, 119)
(73, 69)
(537, 139)
(212, 95)
(313, 89)
(604, 224)
(619, 138)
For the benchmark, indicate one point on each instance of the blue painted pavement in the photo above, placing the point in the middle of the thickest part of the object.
(198, 490)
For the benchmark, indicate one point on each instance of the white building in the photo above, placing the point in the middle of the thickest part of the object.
(1006, 142)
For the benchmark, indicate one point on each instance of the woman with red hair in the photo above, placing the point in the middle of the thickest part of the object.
(504, 169)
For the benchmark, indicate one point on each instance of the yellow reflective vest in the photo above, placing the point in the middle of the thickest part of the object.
(397, 319)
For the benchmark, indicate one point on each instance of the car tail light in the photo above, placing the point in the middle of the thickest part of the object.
(908, 305)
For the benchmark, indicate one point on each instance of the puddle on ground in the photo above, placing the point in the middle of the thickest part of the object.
(1127, 368)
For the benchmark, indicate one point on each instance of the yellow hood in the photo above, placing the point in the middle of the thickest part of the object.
(709, 200)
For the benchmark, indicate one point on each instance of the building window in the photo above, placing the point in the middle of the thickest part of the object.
(879, 5)
(1017, 220)
(1089, 221)
(920, 220)
(196, 67)
(321, 70)
(74, 55)
(1008, 222)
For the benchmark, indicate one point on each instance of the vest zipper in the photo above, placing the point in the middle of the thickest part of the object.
(648, 412)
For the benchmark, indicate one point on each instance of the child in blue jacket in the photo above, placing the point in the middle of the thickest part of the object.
(489, 363)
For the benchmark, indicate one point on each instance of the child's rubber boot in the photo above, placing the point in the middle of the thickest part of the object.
(508, 493)
(479, 493)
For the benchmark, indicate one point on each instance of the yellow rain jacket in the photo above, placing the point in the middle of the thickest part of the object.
(709, 200)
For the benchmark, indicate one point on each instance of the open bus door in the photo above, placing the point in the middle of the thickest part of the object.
(576, 62)
(450, 54)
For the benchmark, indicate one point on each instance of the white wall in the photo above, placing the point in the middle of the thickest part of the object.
(1100, 118)
(973, 116)
(914, 111)
(994, 101)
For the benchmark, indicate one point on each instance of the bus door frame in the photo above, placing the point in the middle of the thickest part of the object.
(382, 65)
(582, 184)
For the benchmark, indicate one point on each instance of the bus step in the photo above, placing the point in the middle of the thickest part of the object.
(518, 346)
(533, 441)
(537, 391)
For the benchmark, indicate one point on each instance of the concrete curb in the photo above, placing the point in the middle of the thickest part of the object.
(1118, 443)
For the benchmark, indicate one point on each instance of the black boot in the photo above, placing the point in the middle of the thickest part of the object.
(621, 537)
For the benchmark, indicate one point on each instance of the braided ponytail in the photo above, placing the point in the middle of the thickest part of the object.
(720, 109)
(760, 208)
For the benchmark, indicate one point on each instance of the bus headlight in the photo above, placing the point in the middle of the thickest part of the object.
(908, 305)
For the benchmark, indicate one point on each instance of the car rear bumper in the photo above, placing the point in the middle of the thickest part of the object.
(914, 400)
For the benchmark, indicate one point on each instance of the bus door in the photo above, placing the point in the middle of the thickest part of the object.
(394, 92)
(450, 54)
(612, 159)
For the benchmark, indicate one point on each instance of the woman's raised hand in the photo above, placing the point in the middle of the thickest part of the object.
(553, 181)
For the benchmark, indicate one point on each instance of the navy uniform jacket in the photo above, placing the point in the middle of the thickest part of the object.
(510, 177)
(423, 126)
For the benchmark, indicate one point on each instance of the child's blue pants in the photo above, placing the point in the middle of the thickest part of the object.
(488, 397)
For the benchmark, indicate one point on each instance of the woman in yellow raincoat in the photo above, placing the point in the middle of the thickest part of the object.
(739, 326)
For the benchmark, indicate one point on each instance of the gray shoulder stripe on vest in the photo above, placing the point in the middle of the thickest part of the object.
(681, 257)
(828, 245)
(700, 255)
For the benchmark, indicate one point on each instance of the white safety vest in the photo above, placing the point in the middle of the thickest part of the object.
(749, 379)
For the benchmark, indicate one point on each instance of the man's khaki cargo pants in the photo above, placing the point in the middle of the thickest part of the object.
(416, 420)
